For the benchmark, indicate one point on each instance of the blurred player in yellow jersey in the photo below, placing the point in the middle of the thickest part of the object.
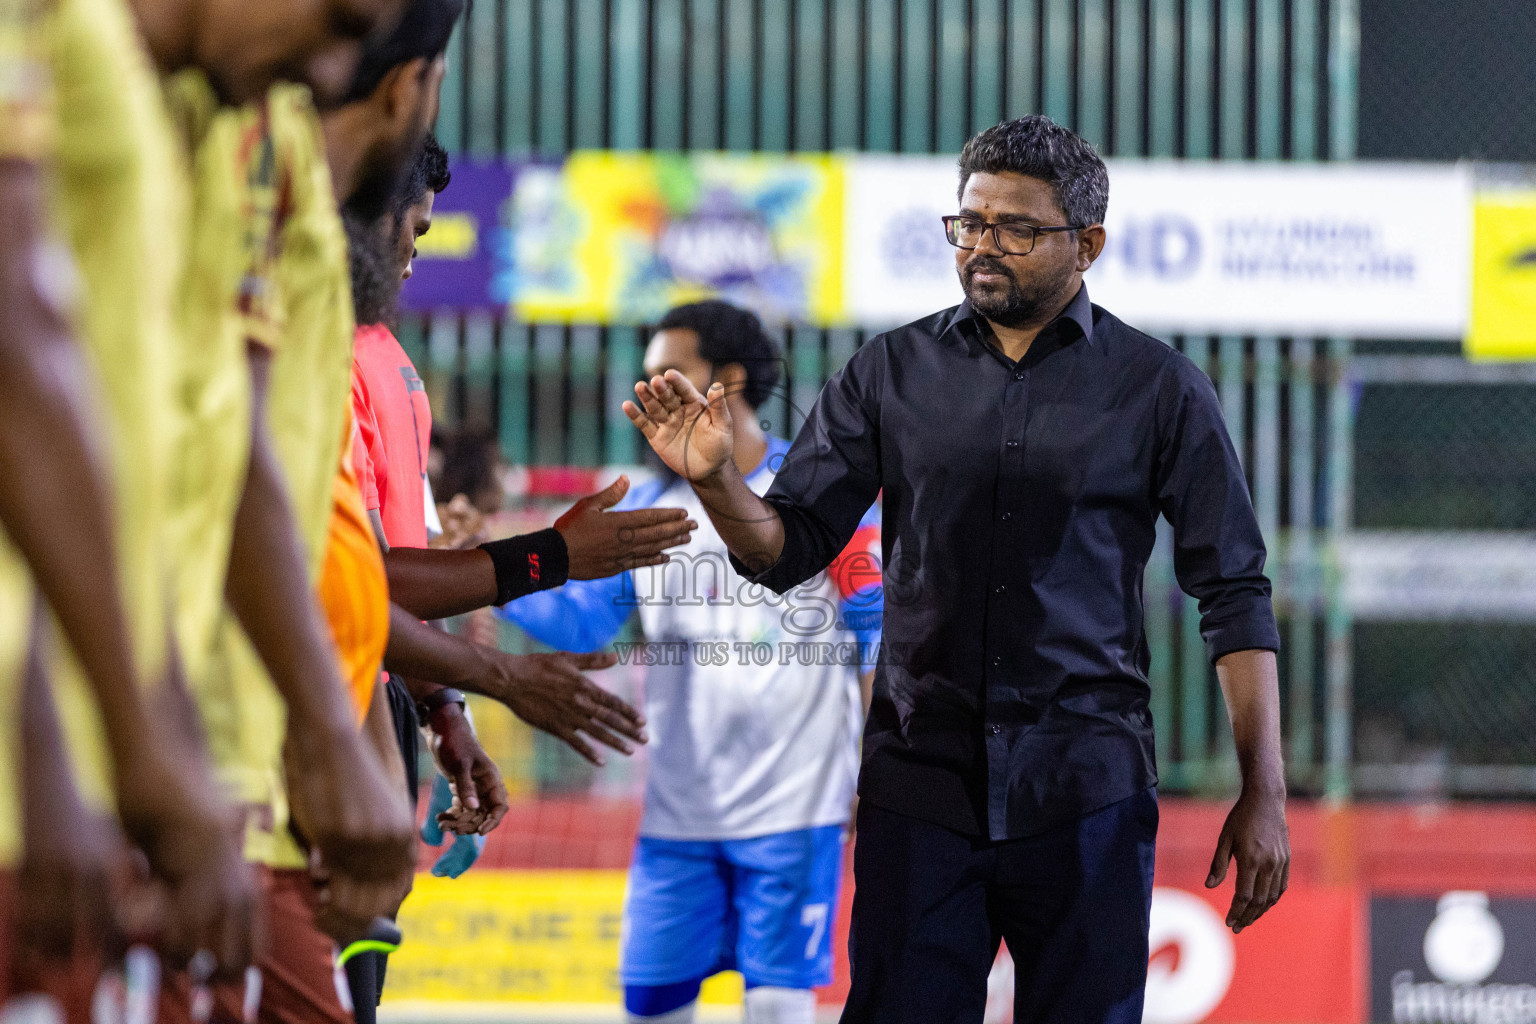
(117, 198)
(227, 464)
(112, 188)
(53, 484)
(300, 348)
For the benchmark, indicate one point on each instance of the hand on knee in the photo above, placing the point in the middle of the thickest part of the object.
(769, 1004)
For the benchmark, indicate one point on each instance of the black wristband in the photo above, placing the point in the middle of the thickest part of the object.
(438, 699)
(533, 561)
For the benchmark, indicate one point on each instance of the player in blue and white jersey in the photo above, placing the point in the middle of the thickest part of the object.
(755, 704)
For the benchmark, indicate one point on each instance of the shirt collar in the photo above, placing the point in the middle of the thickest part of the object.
(1079, 311)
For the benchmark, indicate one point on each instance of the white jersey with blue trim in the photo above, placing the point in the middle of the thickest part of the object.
(751, 698)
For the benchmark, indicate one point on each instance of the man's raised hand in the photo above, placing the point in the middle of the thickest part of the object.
(601, 543)
(690, 432)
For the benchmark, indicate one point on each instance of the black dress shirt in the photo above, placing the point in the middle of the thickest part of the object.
(1020, 506)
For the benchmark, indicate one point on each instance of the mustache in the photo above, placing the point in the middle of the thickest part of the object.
(991, 264)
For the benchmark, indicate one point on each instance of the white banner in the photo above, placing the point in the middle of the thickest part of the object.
(1366, 250)
(1418, 576)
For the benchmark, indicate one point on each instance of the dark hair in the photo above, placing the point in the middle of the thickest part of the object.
(428, 173)
(375, 278)
(727, 335)
(423, 32)
(1038, 147)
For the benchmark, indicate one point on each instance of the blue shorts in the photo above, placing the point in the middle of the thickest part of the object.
(763, 906)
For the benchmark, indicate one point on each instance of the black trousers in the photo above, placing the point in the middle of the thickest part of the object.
(930, 907)
(365, 971)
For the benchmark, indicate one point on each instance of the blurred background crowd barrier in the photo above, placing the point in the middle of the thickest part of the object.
(1325, 203)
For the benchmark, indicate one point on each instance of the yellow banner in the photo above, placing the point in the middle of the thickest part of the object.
(508, 937)
(1503, 322)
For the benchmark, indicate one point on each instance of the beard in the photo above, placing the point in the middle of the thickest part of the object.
(1015, 305)
(375, 278)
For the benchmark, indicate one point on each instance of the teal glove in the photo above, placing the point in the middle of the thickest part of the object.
(464, 850)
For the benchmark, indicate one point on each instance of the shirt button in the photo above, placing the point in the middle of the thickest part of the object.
(997, 659)
(1013, 444)
(1019, 375)
(996, 729)
(1007, 516)
(999, 588)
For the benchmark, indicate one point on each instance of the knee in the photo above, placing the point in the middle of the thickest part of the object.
(661, 1004)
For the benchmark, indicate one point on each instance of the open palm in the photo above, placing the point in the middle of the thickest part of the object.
(690, 432)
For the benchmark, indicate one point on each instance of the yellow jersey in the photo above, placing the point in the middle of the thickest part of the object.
(221, 307)
(120, 194)
(309, 396)
(308, 393)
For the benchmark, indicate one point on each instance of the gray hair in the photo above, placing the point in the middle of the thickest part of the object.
(1037, 147)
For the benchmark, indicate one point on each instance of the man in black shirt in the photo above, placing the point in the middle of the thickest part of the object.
(1026, 442)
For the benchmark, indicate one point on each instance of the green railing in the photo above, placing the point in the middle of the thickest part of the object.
(1202, 79)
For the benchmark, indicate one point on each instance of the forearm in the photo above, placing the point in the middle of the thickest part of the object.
(433, 583)
(49, 797)
(55, 494)
(1250, 683)
(750, 527)
(432, 658)
(269, 591)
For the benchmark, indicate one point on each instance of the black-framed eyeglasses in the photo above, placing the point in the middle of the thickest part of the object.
(1013, 238)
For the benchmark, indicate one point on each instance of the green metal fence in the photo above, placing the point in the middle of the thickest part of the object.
(1220, 79)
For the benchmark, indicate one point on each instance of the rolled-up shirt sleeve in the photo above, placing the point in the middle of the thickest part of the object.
(1218, 553)
(830, 476)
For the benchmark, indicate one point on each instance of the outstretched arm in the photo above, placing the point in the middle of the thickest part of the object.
(548, 691)
(830, 476)
(692, 435)
(590, 541)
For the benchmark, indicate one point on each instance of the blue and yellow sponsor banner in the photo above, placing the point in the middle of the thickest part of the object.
(621, 237)
(504, 938)
(1503, 321)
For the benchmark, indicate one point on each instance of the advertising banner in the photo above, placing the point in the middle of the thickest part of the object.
(503, 938)
(1361, 250)
(1300, 962)
(465, 260)
(621, 237)
(493, 941)
(1464, 958)
(1358, 250)
(1418, 576)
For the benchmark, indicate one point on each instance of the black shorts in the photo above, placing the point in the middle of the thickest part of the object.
(365, 971)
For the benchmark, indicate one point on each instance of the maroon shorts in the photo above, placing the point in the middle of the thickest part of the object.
(295, 981)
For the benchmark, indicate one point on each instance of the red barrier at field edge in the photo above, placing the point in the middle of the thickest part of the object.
(1308, 960)
(1390, 848)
